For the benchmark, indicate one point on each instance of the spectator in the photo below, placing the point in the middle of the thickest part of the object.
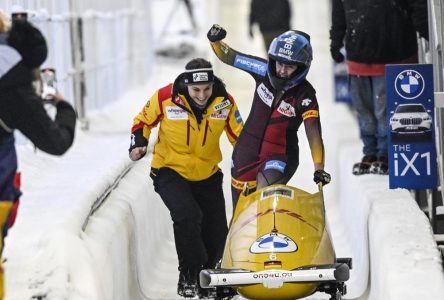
(22, 49)
(272, 16)
(375, 33)
(191, 113)
(267, 151)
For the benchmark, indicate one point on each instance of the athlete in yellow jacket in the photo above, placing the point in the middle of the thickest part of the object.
(188, 140)
(192, 113)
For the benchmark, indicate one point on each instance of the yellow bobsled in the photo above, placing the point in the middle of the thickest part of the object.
(279, 247)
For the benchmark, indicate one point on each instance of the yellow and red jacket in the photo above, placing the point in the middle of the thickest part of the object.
(183, 144)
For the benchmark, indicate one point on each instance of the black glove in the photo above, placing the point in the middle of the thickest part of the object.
(216, 33)
(137, 140)
(321, 176)
(336, 54)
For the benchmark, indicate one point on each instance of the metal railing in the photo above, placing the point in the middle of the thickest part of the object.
(431, 52)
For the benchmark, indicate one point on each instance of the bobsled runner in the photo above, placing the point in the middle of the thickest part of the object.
(279, 247)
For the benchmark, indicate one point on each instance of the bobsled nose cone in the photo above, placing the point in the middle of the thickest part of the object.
(342, 273)
(204, 278)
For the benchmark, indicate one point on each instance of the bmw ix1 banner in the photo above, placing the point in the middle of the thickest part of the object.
(410, 117)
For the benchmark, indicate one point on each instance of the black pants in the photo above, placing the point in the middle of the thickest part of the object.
(197, 209)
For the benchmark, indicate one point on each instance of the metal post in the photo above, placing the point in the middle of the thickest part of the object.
(435, 13)
(78, 75)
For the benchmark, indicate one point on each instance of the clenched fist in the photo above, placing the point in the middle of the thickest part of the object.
(216, 33)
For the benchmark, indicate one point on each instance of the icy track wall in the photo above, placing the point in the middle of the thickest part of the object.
(391, 241)
(129, 258)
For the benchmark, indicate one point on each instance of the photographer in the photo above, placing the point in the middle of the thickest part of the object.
(22, 50)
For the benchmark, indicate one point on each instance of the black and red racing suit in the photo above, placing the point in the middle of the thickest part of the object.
(269, 138)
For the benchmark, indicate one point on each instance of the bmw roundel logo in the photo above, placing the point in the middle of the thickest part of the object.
(273, 243)
(409, 84)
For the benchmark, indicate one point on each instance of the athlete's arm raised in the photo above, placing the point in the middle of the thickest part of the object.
(253, 65)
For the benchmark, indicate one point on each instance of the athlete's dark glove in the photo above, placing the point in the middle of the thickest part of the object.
(336, 54)
(138, 144)
(137, 139)
(216, 33)
(321, 176)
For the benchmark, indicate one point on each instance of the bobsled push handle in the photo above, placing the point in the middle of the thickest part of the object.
(320, 186)
(321, 193)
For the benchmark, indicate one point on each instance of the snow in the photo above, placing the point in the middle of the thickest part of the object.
(125, 249)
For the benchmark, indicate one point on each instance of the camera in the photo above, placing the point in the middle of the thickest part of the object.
(49, 83)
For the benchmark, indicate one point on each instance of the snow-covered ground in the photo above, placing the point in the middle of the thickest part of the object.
(125, 250)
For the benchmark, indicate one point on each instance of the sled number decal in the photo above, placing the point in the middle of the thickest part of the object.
(273, 242)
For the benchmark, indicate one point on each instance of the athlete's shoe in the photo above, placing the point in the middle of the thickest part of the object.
(363, 167)
(188, 285)
(380, 166)
(207, 293)
(220, 292)
(225, 292)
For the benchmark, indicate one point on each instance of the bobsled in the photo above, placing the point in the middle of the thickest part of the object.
(279, 247)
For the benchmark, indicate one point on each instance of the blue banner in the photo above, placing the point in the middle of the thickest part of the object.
(411, 126)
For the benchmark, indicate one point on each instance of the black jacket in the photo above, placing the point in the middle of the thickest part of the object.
(378, 31)
(271, 15)
(23, 49)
